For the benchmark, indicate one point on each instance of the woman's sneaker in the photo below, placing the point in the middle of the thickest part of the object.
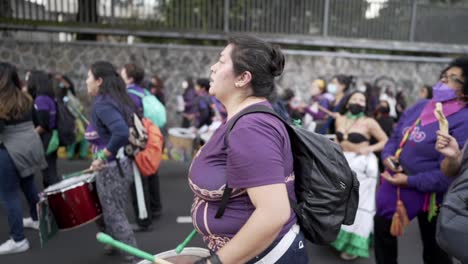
(346, 256)
(11, 247)
(30, 223)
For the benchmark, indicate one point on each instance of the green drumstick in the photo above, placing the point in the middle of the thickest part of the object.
(106, 239)
(181, 247)
(78, 173)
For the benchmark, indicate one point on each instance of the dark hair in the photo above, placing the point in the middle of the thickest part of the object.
(61, 91)
(114, 86)
(135, 72)
(263, 60)
(428, 89)
(204, 83)
(14, 102)
(71, 86)
(344, 107)
(346, 80)
(159, 85)
(40, 83)
(461, 63)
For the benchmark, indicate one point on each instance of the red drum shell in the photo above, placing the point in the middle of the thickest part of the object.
(74, 203)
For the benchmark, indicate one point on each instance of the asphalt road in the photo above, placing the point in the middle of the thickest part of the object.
(80, 245)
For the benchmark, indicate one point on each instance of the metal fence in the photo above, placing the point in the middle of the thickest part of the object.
(400, 20)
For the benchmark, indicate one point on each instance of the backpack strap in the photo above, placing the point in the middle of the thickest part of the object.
(141, 95)
(251, 109)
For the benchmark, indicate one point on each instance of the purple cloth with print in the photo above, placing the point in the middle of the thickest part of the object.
(420, 160)
(93, 137)
(259, 154)
(135, 98)
(46, 103)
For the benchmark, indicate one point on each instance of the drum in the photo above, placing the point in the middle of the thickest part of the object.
(180, 144)
(187, 256)
(74, 201)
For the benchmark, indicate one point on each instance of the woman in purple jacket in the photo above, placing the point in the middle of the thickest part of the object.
(108, 132)
(417, 172)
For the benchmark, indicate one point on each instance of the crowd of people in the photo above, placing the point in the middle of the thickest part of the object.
(401, 157)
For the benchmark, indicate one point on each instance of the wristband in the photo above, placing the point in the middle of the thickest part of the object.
(100, 155)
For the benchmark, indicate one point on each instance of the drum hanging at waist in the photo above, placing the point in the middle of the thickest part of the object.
(180, 145)
(74, 201)
(188, 256)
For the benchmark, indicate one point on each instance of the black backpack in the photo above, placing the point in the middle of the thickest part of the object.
(66, 126)
(452, 222)
(327, 190)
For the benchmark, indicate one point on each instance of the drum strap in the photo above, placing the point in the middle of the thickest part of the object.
(117, 160)
(224, 200)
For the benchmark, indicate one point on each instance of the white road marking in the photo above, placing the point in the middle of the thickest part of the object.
(184, 220)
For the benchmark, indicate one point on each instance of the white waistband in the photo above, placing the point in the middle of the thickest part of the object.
(278, 251)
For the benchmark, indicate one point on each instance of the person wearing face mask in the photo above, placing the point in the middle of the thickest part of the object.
(353, 132)
(338, 86)
(386, 122)
(415, 178)
(382, 116)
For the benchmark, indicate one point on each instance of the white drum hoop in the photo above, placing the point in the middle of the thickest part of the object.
(69, 184)
(188, 251)
(181, 133)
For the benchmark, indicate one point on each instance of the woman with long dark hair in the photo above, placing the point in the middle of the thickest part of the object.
(45, 120)
(108, 132)
(21, 154)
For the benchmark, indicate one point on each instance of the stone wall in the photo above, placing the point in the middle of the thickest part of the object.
(174, 63)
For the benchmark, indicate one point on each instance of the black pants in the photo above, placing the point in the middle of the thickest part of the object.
(152, 199)
(386, 245)
(49, 174)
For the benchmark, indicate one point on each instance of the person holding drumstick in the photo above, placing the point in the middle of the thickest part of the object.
(108, 132)
(21, 154)
(257, 163)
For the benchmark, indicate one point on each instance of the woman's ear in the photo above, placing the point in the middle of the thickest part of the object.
(244, 79)
(99, 81)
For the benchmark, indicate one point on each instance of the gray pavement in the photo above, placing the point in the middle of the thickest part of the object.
(80, 246)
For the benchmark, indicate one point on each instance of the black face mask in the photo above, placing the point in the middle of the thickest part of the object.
(355, 109)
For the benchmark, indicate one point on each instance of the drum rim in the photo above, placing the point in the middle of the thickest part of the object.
(90, 179)
(186, 250)
(189, 135)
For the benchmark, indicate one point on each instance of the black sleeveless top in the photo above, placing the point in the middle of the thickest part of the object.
(353, 137)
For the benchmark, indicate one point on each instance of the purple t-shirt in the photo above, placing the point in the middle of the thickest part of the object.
(46, 103)
(259, 154)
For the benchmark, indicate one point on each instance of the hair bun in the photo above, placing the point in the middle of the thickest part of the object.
(277, 61)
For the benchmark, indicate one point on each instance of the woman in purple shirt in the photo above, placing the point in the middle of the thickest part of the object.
(258, 223)
(45, 116)
(417, 173)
